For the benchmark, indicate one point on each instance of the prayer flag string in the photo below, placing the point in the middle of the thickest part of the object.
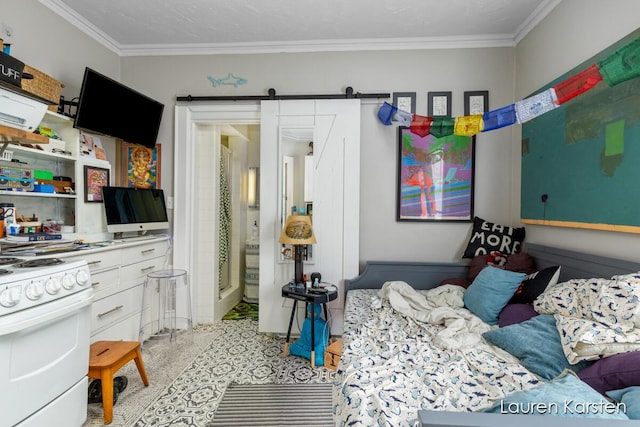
(622, 65)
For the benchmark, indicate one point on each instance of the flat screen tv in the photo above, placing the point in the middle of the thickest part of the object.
(129, 209)
(113, 109)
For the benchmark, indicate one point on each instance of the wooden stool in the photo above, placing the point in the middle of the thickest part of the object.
(105, 359)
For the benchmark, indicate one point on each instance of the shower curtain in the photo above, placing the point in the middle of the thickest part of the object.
(224, 229)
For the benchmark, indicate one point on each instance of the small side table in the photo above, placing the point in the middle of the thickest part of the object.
(298, 294)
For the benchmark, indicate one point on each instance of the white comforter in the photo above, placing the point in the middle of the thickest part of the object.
(405, 350)
(439, 306)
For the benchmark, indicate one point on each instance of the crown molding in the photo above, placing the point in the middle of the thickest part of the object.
(302, 46)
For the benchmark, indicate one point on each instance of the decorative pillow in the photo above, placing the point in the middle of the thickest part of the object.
(536, 342)
(630, 397)
(487, 236)
(490, 292)
(515, 313)
(613, 372)
(535, 284)
(565, 396)
(478, 263)
(521, 262)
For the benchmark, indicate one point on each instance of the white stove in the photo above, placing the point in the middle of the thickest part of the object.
(45, 317)
(28, 283)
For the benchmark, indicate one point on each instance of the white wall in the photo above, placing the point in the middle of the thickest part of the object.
(381, 237)
(571, 34)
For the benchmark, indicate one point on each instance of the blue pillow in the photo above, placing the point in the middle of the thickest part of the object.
(630, 397)
(566, 396)
(536, 342)
(490, 291)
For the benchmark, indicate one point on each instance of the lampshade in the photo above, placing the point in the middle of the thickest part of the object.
(298, 231)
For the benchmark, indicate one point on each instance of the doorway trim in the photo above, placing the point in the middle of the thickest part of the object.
(188, 119)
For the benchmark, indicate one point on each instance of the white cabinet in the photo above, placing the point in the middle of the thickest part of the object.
(61, 158)
(118, 273)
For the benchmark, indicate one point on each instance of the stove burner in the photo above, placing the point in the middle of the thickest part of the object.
(5, 260)
(3, 272)
(42, 262)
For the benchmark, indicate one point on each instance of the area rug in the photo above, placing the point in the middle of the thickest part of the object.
(188, 378)
(242, 310)
(275, 405)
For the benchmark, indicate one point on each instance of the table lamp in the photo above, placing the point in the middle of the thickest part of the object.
(298, 231)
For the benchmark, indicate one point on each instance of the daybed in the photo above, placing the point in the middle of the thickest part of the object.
(410, 346)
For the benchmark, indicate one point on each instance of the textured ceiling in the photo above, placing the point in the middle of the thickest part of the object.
(239, 26)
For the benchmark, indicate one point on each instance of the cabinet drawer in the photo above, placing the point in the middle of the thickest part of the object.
(143, 252)
(104, 283)
(127, 329)
(136, 274)
(115, 307)
(99, 261)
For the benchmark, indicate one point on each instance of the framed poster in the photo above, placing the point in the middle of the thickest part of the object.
(141, 166)
(94, 179)
(405, 101)
(435, 177)
(476, 102)
(439, 104)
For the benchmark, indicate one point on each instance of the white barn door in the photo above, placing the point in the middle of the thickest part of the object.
(336, 186)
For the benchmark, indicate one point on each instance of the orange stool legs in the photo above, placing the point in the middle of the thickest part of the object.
(105, 359)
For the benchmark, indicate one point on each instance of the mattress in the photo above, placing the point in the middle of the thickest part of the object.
(393, 365)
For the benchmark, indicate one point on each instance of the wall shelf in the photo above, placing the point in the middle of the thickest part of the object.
(36, 194)
(9, 135)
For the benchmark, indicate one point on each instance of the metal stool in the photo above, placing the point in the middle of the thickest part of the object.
(166, 305)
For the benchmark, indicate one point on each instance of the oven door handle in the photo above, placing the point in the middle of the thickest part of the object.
(64, 307)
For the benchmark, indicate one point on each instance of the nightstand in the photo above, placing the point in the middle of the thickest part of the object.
(299, 294)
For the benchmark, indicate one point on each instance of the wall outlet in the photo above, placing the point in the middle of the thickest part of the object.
(170, 202)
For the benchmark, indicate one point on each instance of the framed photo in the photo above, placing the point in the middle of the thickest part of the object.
(476, 102)
(405, 101)
(140, 166)
(439, 104)
(94, 179)
(435, 177)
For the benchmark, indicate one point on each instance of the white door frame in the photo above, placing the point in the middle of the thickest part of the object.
(187, 120)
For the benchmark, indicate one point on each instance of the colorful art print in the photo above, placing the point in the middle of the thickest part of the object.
(141, 166)
(94, 179)
(435, 177)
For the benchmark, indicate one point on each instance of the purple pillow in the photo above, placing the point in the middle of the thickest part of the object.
(614, 372)
(516, 313)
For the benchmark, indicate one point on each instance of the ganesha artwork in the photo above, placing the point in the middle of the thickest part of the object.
(142, 169)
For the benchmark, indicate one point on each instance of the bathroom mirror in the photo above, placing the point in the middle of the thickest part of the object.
(296, 166)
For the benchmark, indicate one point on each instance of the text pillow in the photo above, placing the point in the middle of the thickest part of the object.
(487, 236)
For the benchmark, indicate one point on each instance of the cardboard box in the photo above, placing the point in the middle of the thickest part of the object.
(332, 355)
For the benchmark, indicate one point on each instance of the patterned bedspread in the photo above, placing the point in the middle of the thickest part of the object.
(392, 365)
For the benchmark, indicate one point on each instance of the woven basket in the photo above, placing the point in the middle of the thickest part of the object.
(43, 86)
